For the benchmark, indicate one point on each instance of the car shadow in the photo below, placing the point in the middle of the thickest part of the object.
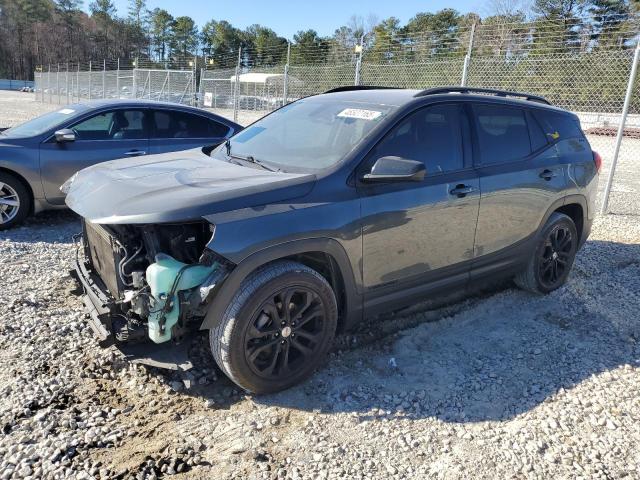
(502, 354)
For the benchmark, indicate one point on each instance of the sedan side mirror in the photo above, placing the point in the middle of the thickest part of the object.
(395, 169)
(65, 135)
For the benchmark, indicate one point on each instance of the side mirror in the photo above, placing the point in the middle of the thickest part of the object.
(65, 135)
(395, 169)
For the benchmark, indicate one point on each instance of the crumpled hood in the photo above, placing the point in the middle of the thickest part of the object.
(176, 186)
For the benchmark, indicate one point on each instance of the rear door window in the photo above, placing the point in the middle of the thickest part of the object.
(503, 134)
(170, 124)
(558, 126)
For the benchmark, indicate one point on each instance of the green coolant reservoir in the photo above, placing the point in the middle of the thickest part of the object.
(160, 278)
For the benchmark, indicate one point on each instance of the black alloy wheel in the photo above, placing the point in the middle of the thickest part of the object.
(286, 331)
(556, 256)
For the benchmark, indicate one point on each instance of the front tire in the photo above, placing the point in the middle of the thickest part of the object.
(277, 329)
(549, 267)
(15, 201)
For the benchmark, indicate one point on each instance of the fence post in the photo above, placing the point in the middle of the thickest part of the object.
(78, 82)
(625, 110)
(236, 97)
(285, 80)
(135, 78)
(118, 79)
(66, 76)
(58, 83)
(467, 57)
(193, 79)
(104, 73)
(90, 79)
(359, 49)
(49, 85)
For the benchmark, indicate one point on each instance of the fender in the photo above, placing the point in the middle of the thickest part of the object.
(568, 200)
(353, 300)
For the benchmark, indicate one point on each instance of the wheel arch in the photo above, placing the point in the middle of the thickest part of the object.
(24, 182)
(324, 255)
(576, 207)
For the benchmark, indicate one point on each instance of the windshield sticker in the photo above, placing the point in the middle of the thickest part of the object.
(359, 114)
(66, 111)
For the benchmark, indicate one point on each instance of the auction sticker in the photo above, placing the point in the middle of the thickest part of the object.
(359, 114)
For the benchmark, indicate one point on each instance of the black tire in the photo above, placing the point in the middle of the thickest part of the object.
(12, 189)
(552, 259)
(256, 330)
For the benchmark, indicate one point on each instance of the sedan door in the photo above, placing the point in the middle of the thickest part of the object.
(418, 236)
(107, 135)
(175, 130)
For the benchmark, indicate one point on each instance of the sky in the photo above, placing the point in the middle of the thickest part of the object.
(288, 17)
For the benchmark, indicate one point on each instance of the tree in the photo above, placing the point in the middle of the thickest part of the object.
(264, 46)
(103, 12)
(557, 25)
(435, 33)
(67, 14)
(161, 26)
(221, 41)
(308, 48)
(138, 13)
(386, 45)
(608, 16)
(184, 37)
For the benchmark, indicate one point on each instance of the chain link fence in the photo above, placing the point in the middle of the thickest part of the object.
(63, 85)
(573, 66)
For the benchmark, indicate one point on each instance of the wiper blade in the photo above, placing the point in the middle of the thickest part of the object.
(247, 158)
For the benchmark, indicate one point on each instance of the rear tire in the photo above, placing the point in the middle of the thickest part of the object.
(551, 262)
(15, 201)
(277, 329)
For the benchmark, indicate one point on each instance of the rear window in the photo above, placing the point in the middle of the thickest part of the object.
(558, 126)
(503, 135)
(173, 124)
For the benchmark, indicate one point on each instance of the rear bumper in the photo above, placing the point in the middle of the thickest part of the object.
(101, 309)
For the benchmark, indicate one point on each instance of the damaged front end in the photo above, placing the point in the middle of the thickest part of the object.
(147, 287)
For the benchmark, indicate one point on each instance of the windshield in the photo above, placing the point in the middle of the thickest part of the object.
(310, 134)
(42, 123)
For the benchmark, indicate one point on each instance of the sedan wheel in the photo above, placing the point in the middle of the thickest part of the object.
(9, 203)
(15, 201)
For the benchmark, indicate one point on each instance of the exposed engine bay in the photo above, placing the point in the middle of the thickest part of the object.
(159, 278)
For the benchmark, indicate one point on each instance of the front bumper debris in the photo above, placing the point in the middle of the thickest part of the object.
(101, 309)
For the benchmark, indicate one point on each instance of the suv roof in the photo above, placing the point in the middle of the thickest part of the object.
(401, 96)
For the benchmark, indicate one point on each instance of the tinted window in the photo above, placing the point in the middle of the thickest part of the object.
(431, 135)
(538, 138)
(558, 126)
(113, 125)
(186, 125)
(503, 135)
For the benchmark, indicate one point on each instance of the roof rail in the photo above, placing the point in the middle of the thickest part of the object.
(485, 91)
(351, 88)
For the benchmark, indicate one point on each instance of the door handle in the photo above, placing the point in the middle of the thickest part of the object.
(462, 190)
(548, 174)
(135, 153)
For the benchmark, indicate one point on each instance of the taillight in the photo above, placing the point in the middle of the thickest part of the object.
(597, 159)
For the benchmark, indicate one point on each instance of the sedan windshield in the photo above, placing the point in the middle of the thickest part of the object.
(310, 134)
(42, 123)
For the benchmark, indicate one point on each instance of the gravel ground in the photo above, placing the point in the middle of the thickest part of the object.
(499, 384)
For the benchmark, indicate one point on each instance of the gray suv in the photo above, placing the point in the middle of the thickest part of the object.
(333, 208)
